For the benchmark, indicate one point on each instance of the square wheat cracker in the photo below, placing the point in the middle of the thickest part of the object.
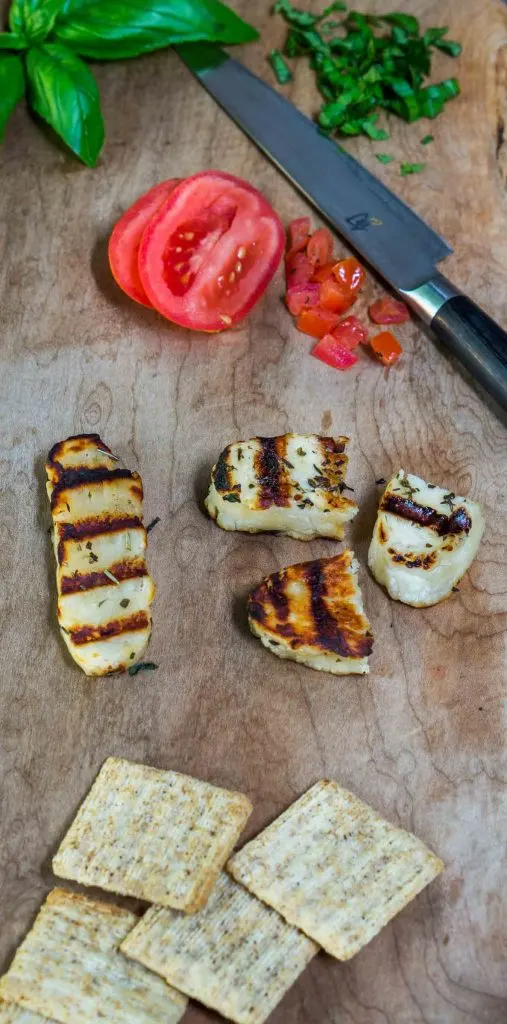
(157, 835)
(69, 968)
(236, 955)
(334, 868)
(10, 1013)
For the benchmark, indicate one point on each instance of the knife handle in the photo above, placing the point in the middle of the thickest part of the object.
(466, 330)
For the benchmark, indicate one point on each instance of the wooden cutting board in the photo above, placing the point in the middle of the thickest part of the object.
(422, 737)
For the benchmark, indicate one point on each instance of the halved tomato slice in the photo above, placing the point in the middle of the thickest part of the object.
(210, 251)
(126, 238)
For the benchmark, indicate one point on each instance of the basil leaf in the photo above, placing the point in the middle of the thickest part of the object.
(12, 87)
(407, 22)
(449, 46)
(33, 19)
(10, 41)
(384, 158)
(411, 169)
(64, 93)
(114, 29)
(280, 67)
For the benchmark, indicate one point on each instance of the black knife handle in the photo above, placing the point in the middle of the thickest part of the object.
(467, 331)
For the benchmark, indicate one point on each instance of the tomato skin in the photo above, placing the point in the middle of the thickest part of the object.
(321, 273)
(298, 233)
(389, 311)
(334, 352)
(350, 274)
(316, 322)
(334, 296)
(210, 251)
(386, 347)
(302, 296)
(320, 247)
(126, 237)
(351, 332)
(298, 269)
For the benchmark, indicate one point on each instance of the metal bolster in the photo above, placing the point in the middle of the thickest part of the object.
(429, 297)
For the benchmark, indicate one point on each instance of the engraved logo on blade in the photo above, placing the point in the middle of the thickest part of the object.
(363, 221)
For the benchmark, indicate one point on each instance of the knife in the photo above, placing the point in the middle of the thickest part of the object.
(374, 221)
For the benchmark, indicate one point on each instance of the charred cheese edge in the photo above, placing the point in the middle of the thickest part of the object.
(425, 539)
(293, 484)
(104, 588)
(313, 613)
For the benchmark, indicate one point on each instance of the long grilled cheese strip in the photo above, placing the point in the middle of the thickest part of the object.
(293, 484)
(104, 589)
(313, 613)
(424, 540)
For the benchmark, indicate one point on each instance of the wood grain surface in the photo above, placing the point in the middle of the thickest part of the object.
(422, 738)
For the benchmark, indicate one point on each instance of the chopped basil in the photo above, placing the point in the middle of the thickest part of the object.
(93, 557)
(124, 603)
(384, 158)
(152, 524)
(280, 67)
(142, 666)
(448, 500)
(411, 169)
(234, 496)
(300, 451)
(427, 139)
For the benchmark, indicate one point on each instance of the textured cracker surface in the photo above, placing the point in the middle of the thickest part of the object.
(237, 955)
(10, 1013)
(69, 968)
(334, 868)
(157, 835)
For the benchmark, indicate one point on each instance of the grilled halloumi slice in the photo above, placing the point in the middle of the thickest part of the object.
(292, 484)
(313, 613)
(104, 588)
(424, 540)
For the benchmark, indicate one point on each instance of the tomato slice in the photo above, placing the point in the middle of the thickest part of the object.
(320, 247)
(298, 234)
(351, 332)
(334, 352)
(302, 296)
(389, 311)
(126, 238)
(298, 269)
(210, 251)
(317, 322)
(350, 274)
(386, 347)
(334, 296)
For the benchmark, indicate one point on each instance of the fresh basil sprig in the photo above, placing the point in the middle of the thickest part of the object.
(47, 39)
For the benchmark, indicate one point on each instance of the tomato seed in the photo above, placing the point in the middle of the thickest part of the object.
(232, 277)
(241, 253)
(179, 266)
(239, 267)
(178, 248)
(220, 281)
(188, 236)
(225, 319)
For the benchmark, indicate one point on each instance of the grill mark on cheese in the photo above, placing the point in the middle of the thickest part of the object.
(82, 442)
(86, 529)
(274, 486)
(133, 569)
(81, 476)
(458, 522)
(222, 474)
(115, 627)
(341, 640)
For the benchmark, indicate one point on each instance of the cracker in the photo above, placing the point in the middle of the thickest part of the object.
(334, 868)
(236, 955)
(157, 835)
(10, 1013)
(70, 968)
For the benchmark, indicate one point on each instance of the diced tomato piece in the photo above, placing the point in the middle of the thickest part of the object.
(334, 296)
(317, 322)
(298, 234)
(298, 269)
(389, 311)
(351, 332)
(320, 247)
(320, 273)
(386, 347)
(209, 252)
(334, 352)
(302, 296)
(350, 274)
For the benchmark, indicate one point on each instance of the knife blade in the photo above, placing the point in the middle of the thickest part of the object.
(390, 236)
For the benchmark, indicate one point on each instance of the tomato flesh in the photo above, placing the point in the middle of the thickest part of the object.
(298, 234)
(350, 274)
(334, 296)
(351, 332)
(210, 251)
(389, 311)
(298, 269)
(321, 273)
(334, 352)
(386, 347)
(302, 296)
(320, 247)
(126, 237)
(317, 322)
